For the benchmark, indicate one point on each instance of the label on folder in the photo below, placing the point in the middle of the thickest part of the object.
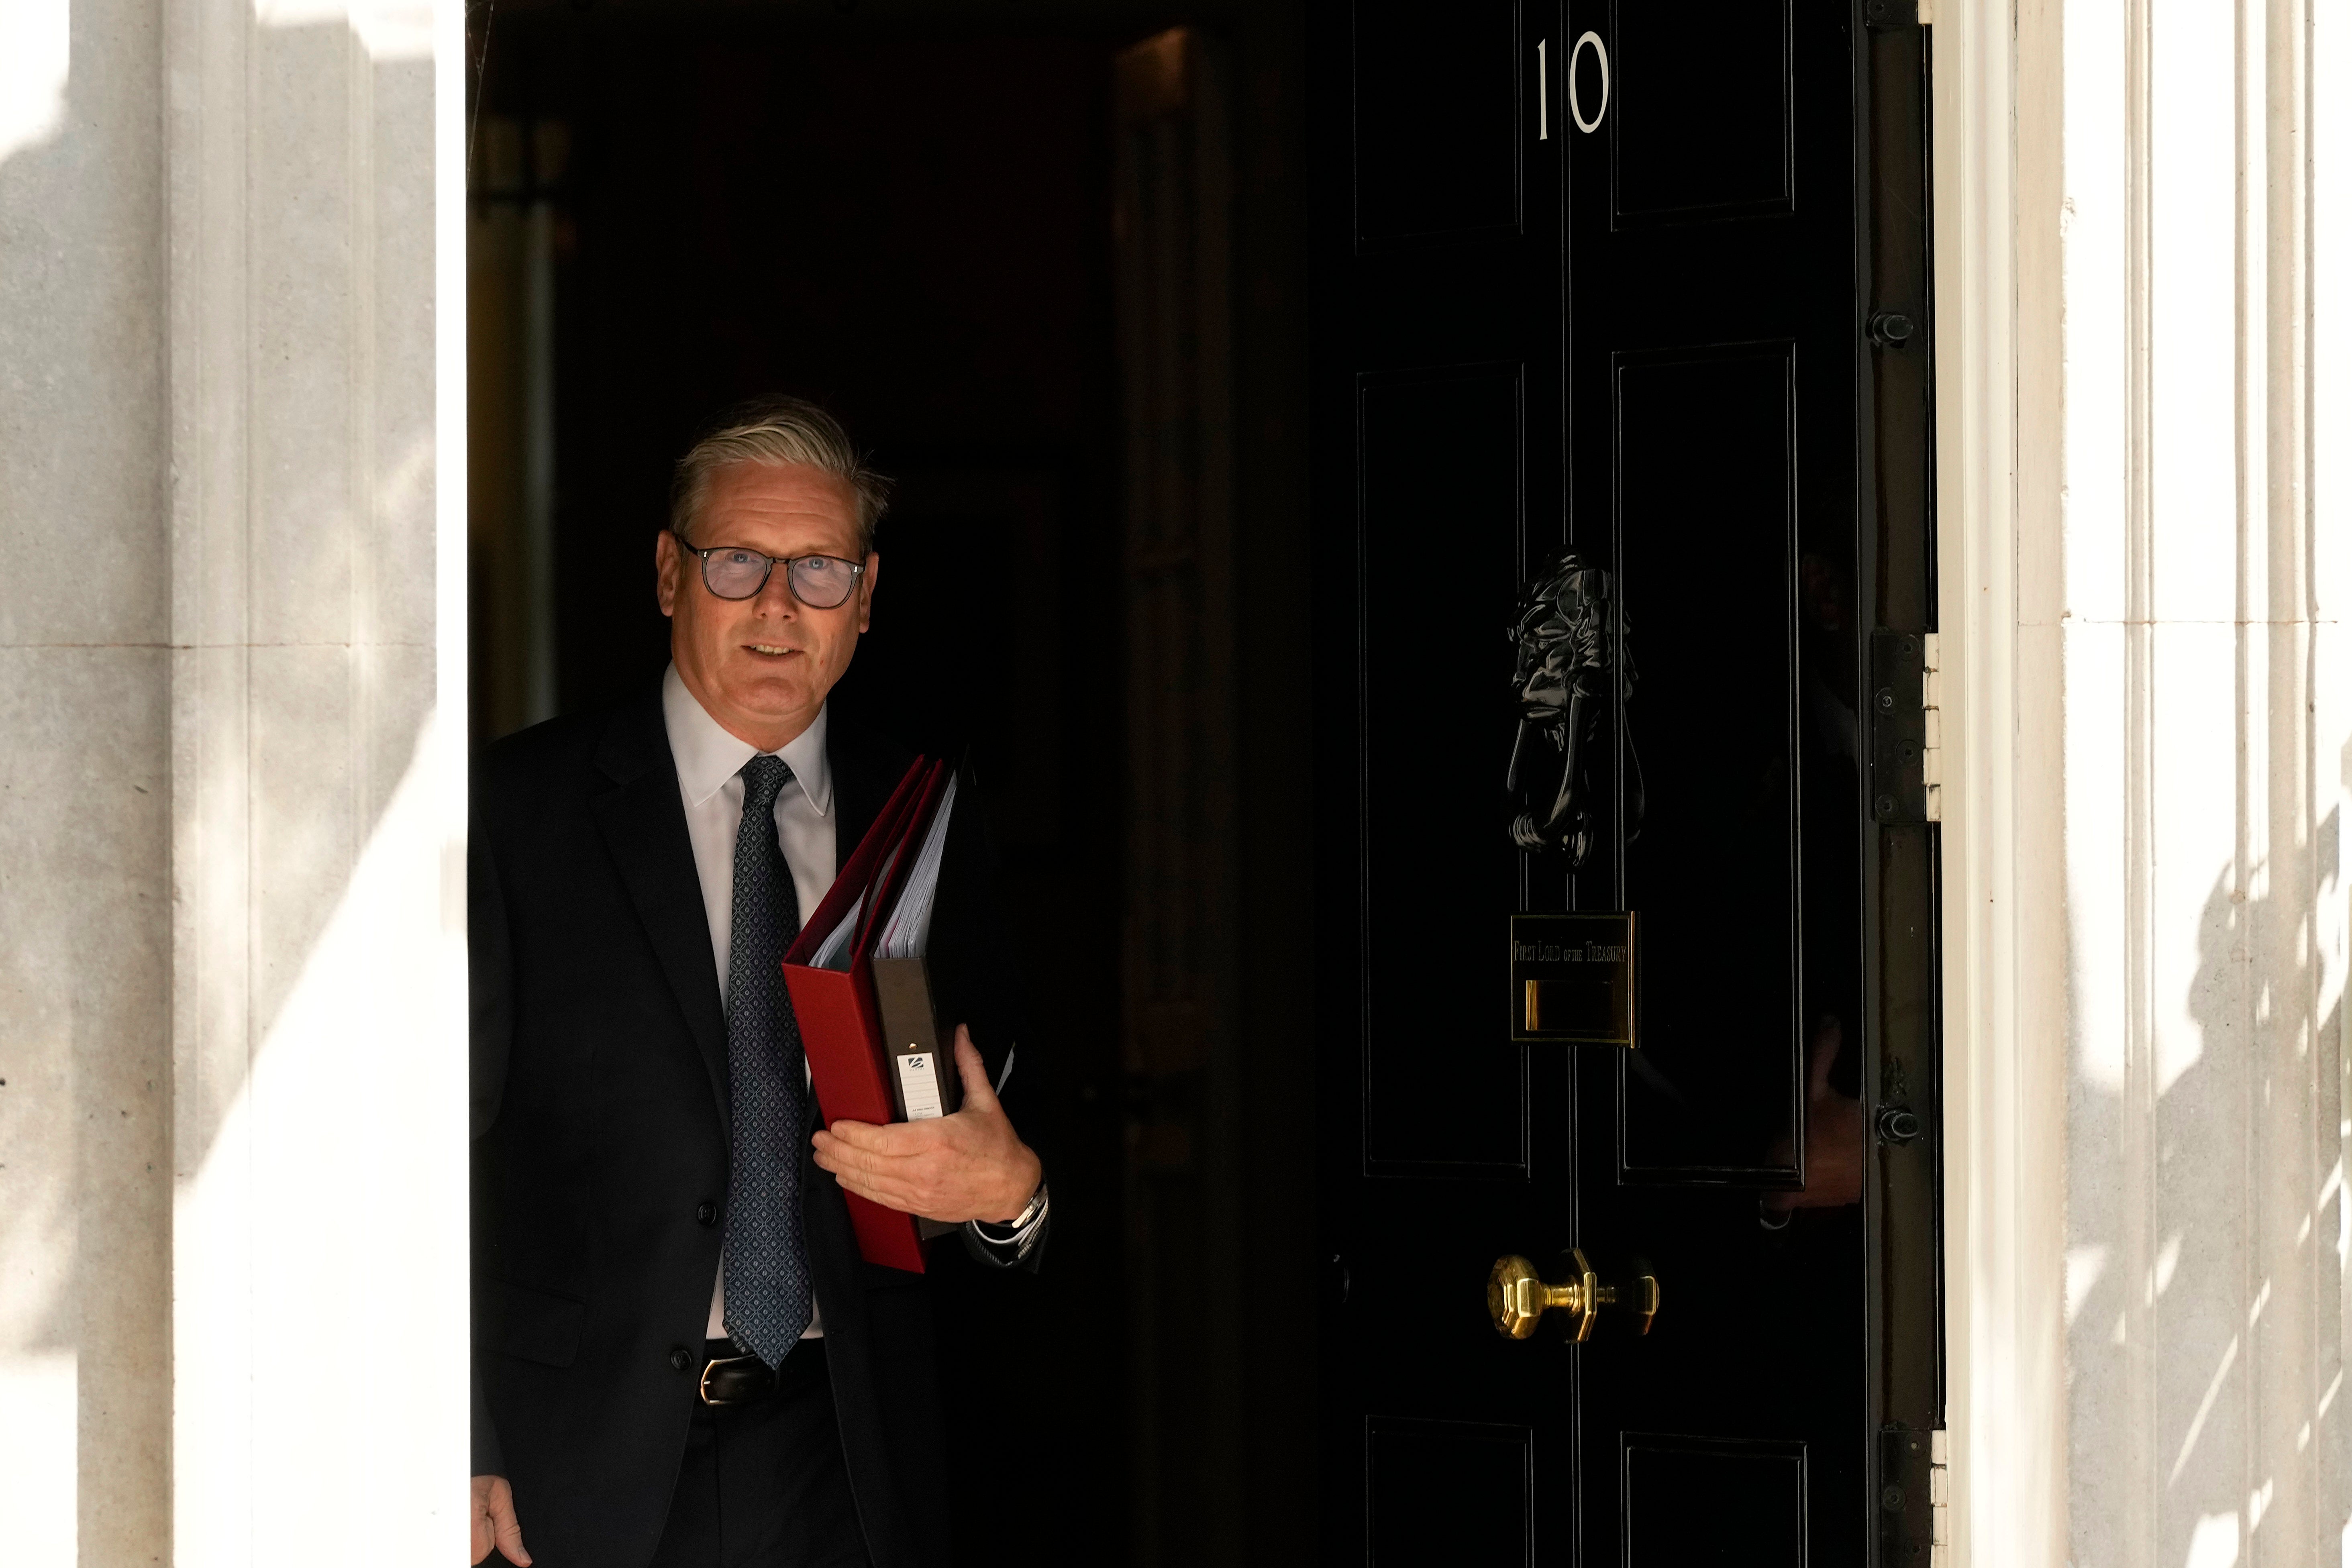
(918, 1085)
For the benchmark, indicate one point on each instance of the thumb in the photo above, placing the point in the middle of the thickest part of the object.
(979, 1094)
(506, 1526)
(1829, 1039)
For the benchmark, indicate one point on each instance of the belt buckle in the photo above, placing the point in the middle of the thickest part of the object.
(702, 1386)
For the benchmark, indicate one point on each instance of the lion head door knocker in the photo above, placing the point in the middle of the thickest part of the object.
(1568, 654)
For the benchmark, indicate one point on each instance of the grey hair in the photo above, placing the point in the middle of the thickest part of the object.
(777, 429)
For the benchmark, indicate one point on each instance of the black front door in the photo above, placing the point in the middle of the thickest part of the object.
(1643, 283)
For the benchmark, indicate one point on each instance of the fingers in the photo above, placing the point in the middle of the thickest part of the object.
(897, 1163)
(845, 1159)
(979, 1094)
(495, 1522)
(888, 1192)
(897, 1139)
(952, 1181)
(481, 1516)
(504, 1526)
(1829, 1039)
(915, 1183)
(977, 1191)
(508, 1528)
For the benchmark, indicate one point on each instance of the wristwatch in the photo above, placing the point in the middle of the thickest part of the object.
(1019, 1233)
(1027, 1217)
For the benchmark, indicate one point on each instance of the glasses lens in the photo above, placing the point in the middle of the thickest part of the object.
(821, 583)
(734, 573)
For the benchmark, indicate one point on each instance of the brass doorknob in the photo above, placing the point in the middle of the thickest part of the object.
(1517, 1298)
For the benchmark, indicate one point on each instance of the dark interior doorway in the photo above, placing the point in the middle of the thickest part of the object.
(1047, 261)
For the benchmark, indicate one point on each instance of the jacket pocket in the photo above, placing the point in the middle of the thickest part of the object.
(536, 1326)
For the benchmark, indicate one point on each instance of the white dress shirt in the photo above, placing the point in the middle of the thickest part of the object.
(709, 779)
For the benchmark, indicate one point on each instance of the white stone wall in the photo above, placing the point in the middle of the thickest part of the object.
(85, 790)
(2148, 551)
(231, 794)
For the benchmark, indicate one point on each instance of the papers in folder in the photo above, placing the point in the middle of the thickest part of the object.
(863, 997)
(910, 926)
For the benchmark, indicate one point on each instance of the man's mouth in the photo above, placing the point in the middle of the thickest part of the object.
(771, 649)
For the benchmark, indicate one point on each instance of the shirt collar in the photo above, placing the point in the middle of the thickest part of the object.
(707, 756)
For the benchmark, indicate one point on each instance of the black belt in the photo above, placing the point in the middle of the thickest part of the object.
(732, 1380)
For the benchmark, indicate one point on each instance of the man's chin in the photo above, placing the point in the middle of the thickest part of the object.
(770, 698)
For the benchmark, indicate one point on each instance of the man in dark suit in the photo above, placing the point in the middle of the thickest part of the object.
(680, 1359)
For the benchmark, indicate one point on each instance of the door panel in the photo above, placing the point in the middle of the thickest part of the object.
(1436, 101)
(1750, 1500)
(1706, 590)
(1439, 545)
(1702, 98)
(1448, 1492)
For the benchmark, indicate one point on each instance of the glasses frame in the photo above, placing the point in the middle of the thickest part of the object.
(857, 570)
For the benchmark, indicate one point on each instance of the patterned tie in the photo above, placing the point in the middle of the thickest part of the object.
(766, 1269)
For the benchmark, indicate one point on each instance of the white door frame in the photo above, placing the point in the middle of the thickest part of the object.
(2147, 746)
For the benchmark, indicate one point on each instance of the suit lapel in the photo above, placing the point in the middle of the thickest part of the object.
(644, 824)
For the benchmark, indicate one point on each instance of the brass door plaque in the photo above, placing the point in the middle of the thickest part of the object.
(1573, 979)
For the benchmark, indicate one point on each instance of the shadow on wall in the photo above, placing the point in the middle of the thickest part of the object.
(2205, 1382)
(85, 905)
(230, 979)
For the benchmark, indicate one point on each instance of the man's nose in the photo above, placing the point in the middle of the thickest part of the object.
(776, 594)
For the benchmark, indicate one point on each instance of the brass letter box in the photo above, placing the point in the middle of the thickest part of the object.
(1573, 979)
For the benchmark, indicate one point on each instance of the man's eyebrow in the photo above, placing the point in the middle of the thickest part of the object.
(796, 555)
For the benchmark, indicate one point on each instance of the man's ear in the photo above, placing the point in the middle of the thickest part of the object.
(666, 555)
(866, 590)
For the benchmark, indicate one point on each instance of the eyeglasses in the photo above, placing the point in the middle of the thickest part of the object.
(733, 571)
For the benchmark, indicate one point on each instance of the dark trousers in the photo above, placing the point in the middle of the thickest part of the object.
(763, 1485)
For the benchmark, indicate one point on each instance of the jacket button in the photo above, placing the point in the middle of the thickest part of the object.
(707, 1213)
(679, 1359)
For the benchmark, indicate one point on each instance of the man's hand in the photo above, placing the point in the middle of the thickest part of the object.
(1833, 1134)
(494, 1522)
(971, 1165)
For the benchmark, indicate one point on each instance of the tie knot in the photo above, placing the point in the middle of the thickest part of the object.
(764, 778)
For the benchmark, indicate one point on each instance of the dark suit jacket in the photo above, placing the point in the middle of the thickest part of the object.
(600, 1128)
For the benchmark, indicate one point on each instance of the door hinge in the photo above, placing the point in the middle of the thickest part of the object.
(1939, 1496)
(1931, 715)
(1906, 729)
(1915, 1529)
